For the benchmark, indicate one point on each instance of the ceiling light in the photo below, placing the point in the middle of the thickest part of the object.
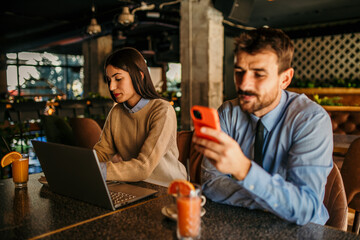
(94, 27)
(126, 18)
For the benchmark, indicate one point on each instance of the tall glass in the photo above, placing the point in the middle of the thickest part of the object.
(188, 214)
(20, 172)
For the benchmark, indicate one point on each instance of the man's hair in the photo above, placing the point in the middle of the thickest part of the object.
(130, 60)
(261, 39)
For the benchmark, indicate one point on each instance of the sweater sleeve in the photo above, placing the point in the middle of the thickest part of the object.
(162, 126)
(105, 148)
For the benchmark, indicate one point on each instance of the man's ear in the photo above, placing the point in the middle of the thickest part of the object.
(286, 78)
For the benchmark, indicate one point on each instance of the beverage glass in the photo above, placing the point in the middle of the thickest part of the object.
(20, 172)
(188, 214)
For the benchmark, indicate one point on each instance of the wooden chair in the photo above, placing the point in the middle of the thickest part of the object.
(187, 151)
(335, 200)
(350, 172)
(57, 129)
(86, 132)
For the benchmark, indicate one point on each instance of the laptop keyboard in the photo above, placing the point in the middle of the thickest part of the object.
(120, 198)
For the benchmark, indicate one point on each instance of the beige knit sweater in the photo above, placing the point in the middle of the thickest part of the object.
(145, 140)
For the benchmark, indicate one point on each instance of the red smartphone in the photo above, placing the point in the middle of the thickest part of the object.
(205, 117)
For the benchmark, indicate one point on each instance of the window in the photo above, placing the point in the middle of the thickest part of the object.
(173, 77)
(45, 75)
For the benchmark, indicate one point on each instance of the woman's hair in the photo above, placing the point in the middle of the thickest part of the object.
(272, 39)
(130, 60)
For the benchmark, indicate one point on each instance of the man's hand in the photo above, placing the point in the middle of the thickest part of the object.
(226, 155)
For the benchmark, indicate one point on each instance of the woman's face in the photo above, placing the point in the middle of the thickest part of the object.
(121, 86)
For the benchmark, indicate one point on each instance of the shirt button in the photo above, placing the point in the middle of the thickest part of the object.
(275, 205)
(251, 187)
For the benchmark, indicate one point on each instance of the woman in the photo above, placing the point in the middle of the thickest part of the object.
(138, 141)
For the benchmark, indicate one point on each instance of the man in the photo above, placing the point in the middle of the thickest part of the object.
(295, 154)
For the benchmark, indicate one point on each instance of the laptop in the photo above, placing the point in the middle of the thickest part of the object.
(75, 172)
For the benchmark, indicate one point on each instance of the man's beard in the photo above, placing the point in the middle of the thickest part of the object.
(254, 106)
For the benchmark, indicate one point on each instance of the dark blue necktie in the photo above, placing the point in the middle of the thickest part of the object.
(259, 142)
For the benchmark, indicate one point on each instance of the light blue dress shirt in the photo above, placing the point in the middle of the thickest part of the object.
(134, 109)
(141, 103)
(297, 158)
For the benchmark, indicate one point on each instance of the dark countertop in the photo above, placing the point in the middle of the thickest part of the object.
(36, 210)
(219, 222)
(40, 213)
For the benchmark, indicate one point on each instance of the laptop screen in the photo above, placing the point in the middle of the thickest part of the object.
(75, 172)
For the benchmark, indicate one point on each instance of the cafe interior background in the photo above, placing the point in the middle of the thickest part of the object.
(52, 53)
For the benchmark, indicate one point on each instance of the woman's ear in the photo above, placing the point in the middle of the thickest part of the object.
(286, 78)
(142, 75)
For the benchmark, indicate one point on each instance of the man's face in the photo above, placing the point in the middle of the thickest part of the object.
(257, 81)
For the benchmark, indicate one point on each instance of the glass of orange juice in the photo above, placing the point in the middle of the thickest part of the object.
(188, 214)
(20, 172)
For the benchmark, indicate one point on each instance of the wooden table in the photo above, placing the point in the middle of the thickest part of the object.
(38, 213)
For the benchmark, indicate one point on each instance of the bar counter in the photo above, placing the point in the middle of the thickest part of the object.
(38, 213)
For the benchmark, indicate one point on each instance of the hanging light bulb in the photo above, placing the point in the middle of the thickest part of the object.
(94, 27)
(126, 18)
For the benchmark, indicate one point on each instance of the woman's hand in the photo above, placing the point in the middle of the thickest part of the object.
(116, 158)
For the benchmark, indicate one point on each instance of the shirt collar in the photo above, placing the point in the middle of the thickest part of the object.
(270, 119)
(138, 106)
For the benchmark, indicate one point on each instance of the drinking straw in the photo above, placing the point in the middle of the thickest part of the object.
(7, 146)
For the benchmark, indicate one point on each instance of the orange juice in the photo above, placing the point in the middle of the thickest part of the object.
(20, 172)
(189, 216)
